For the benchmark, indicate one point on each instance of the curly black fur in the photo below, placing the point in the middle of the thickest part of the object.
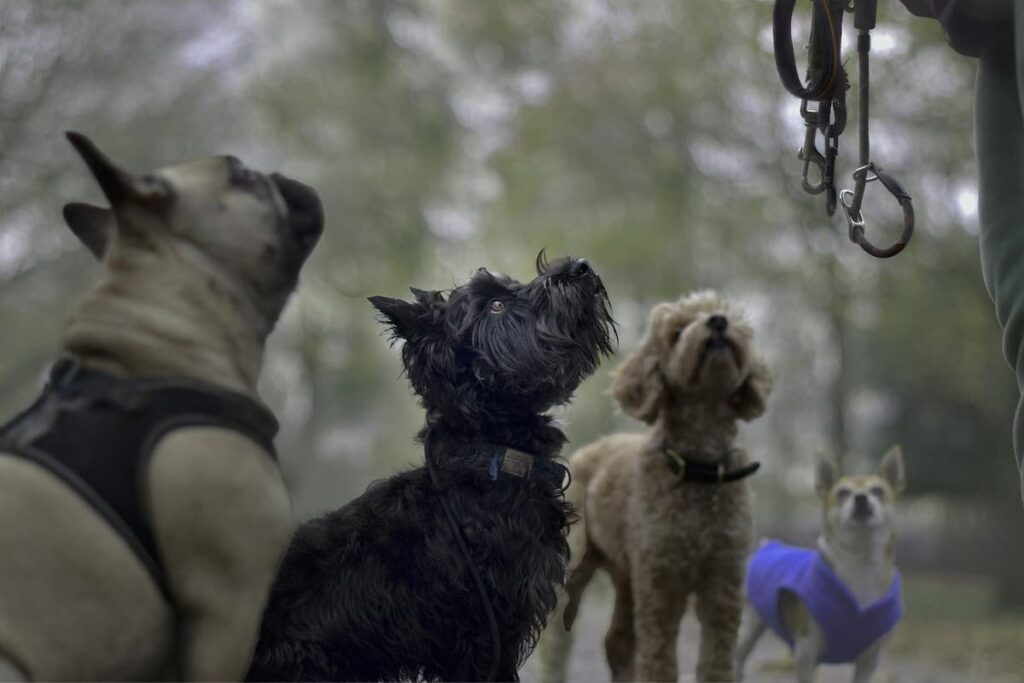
(379, 590)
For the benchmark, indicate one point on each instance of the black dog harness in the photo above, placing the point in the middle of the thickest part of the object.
(705, 472)
(96, 432)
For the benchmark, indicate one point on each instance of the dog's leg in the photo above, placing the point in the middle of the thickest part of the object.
(719, 607)
(555, 646)
(658, 606)
(221, 517)
(578, 581)
(753, 628)
(805, 655)
(864, 667)
(809, 639)
(556, 640)
(619, 642)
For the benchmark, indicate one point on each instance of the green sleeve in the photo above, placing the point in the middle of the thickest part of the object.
(999, 137)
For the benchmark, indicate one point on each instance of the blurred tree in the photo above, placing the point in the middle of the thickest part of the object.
(363, 104)
(649, 137)
(121, 76)
(673, 177)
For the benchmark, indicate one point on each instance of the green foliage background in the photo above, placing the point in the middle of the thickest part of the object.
(651, 136)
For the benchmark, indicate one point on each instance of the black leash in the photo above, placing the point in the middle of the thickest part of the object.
(825, 69)
(826, 86)
(864, 21)
(485, 599)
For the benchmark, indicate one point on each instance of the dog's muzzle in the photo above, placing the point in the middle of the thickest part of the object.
(719, 340)
(862, 510)
(305, 220)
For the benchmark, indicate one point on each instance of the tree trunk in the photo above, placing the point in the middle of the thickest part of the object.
(836, 307)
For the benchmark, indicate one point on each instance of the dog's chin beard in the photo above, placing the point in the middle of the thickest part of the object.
(720, 345)
(703, 381)
(514, 395)
(581, 310)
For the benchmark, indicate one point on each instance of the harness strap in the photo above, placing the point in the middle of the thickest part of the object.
(134, 396)
(96, 432)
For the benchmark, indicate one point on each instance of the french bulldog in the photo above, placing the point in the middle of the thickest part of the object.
(142, 513)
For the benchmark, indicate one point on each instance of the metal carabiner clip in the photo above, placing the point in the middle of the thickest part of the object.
(829, 179)
(851, 201)
(809, 154)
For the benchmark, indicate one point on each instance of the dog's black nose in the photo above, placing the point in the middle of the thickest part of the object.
(718, 323)
(305, 211)
(579, 268)
(861, 506)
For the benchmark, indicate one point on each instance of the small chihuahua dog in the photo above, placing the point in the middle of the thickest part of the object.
(839, 603)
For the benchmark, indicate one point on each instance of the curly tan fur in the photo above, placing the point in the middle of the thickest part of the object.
(662, 540)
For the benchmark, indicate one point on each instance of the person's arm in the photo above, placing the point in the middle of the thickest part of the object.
(968, 24)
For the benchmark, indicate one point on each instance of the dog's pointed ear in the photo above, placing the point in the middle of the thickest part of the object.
(826, 474)
(426, 297)
(407, 320)
(117, 184)
(749, 400)
(638, 385)
(92, 225)
(891, 469)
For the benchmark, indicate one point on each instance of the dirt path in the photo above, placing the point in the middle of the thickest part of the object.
(770, 662)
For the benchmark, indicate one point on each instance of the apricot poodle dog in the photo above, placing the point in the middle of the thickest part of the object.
(668, 511)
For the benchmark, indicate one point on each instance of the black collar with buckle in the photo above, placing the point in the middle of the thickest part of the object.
(704, 472)
(499, 460)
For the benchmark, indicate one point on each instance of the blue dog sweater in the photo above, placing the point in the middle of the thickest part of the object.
(849, 628)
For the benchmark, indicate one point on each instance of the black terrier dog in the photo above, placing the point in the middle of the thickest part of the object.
(449, 571)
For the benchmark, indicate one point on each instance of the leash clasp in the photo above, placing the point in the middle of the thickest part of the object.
(809, 154)
(826, 85)
(852, 199)
(821, 119)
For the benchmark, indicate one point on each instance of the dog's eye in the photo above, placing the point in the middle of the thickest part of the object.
(877, 491)
(843, 494)
(497, 306)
